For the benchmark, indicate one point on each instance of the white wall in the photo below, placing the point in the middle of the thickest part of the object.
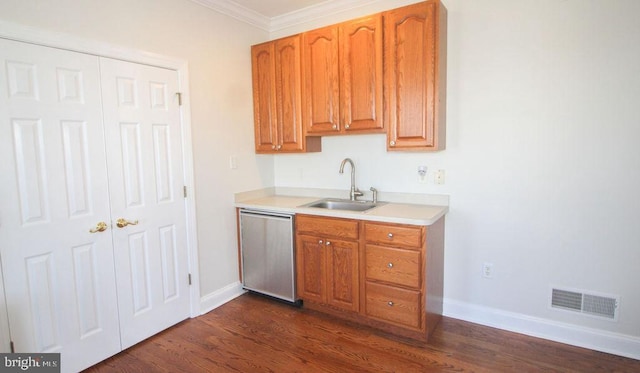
(217, 50)
(541, 163)
(542, 160)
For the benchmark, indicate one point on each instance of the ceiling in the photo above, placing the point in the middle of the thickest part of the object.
(272, 15)
(273, 8)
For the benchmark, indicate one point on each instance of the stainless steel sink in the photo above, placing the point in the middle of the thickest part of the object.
(343, 204)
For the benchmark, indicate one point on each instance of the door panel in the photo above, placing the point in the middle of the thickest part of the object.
(311, 268)
(142, 127)
(60, 294)
(288, 93)
(264, 96)
(361, 74)
(343, 274)
(321, 80)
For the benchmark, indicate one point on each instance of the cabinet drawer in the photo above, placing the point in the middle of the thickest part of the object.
(392, 304)
(319, 226)
(398, 266)
(402, 235)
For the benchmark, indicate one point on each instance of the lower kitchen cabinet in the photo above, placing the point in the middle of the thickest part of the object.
(389, 276)
(394, 273)
(327, 265)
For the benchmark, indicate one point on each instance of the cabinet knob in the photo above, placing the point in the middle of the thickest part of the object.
(390, 265)
(278, 147)
(335, 126)
(328, 243)
(392, 143)
(320, 242)
(390, 235)
(347, 126)
(273, 147)
(390, 303)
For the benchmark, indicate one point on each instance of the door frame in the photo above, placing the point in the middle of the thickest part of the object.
(32, 35)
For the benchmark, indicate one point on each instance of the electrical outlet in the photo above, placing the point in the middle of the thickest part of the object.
(487, 270)
(439, 177)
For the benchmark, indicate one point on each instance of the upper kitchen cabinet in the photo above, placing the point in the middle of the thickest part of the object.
(277, 84)
(415, 76)
(343, 78)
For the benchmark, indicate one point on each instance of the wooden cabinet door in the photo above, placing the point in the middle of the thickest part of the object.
(321, 84)
(343, 274)
(361, 74)
(264, 96)
(288, 94)
(277, 98)
(414, 76)
(311, 268)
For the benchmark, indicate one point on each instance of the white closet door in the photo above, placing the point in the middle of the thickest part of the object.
(59, 277)
(143, 134)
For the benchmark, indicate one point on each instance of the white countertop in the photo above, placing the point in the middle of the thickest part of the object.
(391, 212)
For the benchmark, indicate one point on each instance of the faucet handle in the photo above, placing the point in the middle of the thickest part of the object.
(356, 193)
(375, 194)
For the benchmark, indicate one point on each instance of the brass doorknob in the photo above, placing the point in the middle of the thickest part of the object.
(100, 227)
(121, 223)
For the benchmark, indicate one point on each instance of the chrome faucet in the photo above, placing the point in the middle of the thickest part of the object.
(374, 196)
(353, 192)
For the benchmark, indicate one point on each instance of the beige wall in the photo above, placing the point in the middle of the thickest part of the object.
(541, 163)
(542, 160)
(216, 48)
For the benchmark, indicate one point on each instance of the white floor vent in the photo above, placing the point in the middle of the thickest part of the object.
(605, 306)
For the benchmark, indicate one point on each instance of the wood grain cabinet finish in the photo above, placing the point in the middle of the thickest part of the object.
(415, 76)
(343, 66)
(384, 73)
(277, 95)
(394, 304)
(394, 267)
(327, 261)
(387, 275)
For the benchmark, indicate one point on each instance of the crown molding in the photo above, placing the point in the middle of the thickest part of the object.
(310, 13)
(237, 11)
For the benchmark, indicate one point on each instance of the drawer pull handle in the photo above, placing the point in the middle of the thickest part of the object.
(390, 265)
(390, 235)
(390, 303)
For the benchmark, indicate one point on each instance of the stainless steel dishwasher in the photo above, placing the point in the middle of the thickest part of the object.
(268, 257)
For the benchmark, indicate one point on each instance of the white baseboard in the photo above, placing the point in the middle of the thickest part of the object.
(599, 340)
(219, 297)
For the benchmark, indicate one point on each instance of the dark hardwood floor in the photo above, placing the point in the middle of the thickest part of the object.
(254, 334)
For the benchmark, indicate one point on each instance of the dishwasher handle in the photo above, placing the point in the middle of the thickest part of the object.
(266, 214)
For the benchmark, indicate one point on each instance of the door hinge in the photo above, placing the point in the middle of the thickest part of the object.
(189, 278)
(13, 348)
(179, 98)
(184, 189)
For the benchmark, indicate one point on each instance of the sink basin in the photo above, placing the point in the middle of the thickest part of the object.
(343, 204)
